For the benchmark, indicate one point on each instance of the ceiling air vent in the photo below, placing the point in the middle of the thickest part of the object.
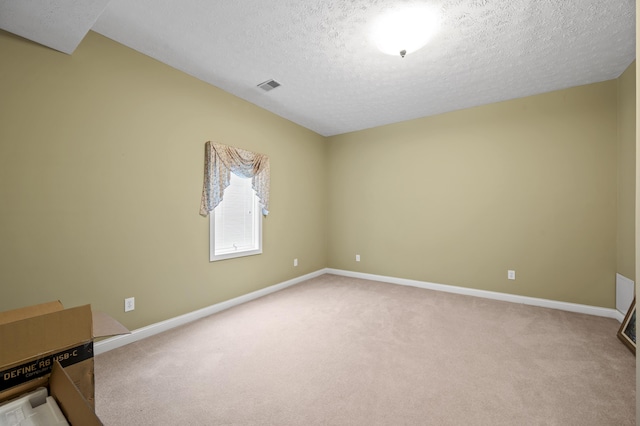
(268, 85)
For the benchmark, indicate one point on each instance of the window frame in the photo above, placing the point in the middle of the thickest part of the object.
(213, 257)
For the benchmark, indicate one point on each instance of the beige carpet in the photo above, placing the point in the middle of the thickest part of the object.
(343, 351)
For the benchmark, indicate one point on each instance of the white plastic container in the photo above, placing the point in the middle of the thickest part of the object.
(32, 409)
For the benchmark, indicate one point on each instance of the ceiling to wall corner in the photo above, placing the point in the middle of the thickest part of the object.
(60, 24)
(332, 77)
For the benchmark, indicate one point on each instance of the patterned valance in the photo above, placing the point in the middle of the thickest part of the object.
(222, 160)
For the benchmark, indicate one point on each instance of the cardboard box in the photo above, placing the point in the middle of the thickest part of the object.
(49, 346)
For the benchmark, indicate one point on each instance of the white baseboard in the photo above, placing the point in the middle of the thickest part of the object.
(150, 330)
(545, 303)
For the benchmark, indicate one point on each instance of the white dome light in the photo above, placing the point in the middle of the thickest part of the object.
(407, 29)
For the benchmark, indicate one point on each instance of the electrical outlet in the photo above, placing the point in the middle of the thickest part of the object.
(511, 274)
(295, 262)
(129, 304)
(357, 258)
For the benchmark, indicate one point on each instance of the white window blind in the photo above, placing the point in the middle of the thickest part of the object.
(236, 222)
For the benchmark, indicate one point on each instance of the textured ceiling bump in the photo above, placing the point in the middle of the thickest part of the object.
(335, 81)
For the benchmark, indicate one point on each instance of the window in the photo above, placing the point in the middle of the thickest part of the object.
(236, 223)
(235, 195)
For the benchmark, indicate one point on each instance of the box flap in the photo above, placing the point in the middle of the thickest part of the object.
(105, 326)
(30, 311)
(75, 408)
(30, 337)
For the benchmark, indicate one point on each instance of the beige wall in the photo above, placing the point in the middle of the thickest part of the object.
(101, 162)
(101, 170)
(459, 198)
(626, 172)
(637, 215)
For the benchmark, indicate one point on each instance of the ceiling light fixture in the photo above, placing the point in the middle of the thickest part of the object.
(403, 31)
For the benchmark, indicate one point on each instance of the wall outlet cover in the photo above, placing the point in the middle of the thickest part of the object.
(129, 304)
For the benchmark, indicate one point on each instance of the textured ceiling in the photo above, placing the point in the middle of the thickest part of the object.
(333, 78)
(60, 25)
